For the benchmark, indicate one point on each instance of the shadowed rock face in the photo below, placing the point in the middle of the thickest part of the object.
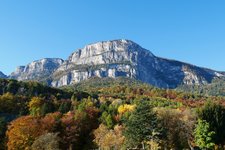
(2, 75)
(115, 59)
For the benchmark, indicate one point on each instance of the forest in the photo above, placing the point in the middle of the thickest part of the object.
(108, 114)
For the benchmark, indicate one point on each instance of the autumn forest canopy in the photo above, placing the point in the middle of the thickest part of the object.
(109, 114)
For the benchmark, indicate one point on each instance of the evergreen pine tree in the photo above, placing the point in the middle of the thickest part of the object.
(141, 126)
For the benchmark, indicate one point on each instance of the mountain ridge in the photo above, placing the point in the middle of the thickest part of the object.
(114, 59)
(2, 75)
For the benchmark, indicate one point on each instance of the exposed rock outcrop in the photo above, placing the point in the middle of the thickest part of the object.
(115, 59)
(37, 70)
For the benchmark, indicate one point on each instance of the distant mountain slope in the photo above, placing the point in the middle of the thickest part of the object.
(113, 59)
(37, 70)
(2, 75)
(215, 88)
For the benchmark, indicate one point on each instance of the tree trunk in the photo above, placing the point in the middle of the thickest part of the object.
(189, 144)
(143, 145)
(71, 147)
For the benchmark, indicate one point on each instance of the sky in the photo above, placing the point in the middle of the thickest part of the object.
(191, 31)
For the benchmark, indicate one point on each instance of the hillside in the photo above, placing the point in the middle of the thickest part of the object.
(215, 88)
(78, 116)
(30, 88)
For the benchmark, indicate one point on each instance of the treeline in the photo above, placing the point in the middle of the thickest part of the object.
(30, 88)
(116, 115)
(85, 125)
(216, 88)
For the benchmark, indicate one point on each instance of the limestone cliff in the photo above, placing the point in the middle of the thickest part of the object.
(37, 70)
(115, 59)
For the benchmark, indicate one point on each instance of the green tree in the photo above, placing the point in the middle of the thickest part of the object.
(46, 108)
(64, 107)
(12, 86)
(141, 126)
(203, 135)
(214, 114)
(109, 121)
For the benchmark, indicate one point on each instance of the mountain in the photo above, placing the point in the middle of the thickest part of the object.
(2, 75)
(117, 58)
(37, 70)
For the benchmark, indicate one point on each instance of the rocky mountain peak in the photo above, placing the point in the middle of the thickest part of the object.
(37, 69)
(107, 52)
(116, 58)
(2, 75)
(114, 45)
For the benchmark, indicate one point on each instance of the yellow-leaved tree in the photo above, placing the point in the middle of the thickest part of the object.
(35, 106)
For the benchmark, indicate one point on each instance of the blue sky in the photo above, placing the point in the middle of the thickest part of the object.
(192, 31)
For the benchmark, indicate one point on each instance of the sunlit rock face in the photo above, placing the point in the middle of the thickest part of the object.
(107, 52)
(115, 59)
(37, 70)
(103, 59)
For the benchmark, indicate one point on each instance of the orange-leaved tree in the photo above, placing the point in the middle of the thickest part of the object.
(23, 131)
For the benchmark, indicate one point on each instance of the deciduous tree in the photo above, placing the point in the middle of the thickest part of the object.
(203, 135)
(48, 141)
(109, 138)
(35, 106)
(214, 115)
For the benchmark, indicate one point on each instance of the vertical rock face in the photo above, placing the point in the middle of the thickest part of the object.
(106, 53)
(115, 59)
(74, 75)
(37, 70)
(103, 59)
(2, 75)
